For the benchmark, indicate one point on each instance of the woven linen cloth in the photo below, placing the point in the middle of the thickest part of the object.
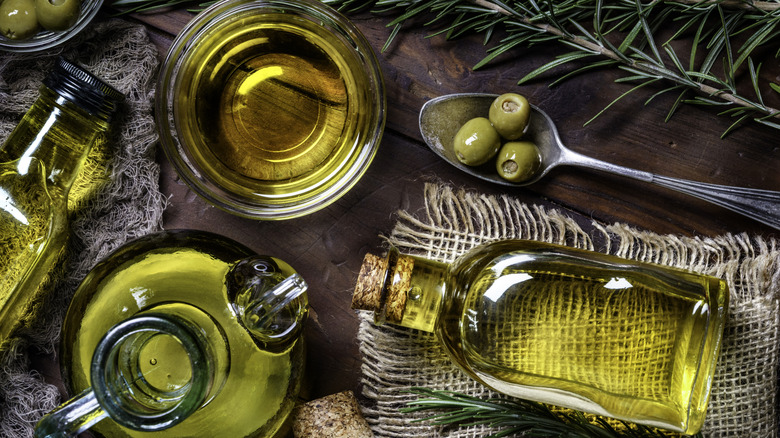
(115, 198)
(744, 392)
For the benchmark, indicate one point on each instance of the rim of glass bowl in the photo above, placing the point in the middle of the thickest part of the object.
(47, 39)
(216, 195)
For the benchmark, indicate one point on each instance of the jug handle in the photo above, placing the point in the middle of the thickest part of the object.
(73, 417)
(275, 300)
(275, 318)
(270, 306)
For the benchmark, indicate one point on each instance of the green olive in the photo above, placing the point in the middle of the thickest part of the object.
(18, 19)
(509, 114)
(57, 14)
(476, 142)
(518, 161)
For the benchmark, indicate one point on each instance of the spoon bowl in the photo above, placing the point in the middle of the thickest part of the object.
(441, 118)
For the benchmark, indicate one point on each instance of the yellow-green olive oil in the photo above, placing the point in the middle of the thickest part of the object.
(33, 231)
(572, 328)
(618, 339)
(271, 100)
(39, 163)
(186, 278)
(621, 343)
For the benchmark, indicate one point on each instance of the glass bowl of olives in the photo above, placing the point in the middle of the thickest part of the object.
(36, 25)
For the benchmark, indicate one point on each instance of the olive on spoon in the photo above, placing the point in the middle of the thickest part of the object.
(441, 117)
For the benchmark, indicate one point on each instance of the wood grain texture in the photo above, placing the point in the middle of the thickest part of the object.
(327, 247)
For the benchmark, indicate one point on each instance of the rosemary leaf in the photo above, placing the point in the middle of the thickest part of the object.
(754, 41)
(583, 69)
(601, 33)
(643, 84)
(505, 417)
(559, 60)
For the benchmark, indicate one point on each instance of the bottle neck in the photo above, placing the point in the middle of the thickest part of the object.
(148, 373)
(401, 290)
(57, 133)
(153, 370)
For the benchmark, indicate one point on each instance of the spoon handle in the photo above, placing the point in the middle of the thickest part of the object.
(760, 205)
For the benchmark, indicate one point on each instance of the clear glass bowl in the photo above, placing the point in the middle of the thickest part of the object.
(47, 39)
(270, 109)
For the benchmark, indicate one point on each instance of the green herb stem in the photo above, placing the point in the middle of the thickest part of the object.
(504, 416)
(649, 70)
(608, 34)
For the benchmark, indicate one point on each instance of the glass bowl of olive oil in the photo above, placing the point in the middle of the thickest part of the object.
(270, 109)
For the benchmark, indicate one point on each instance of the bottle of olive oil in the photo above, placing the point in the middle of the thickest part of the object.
(572, 328)
(38, 164)
(184, 333)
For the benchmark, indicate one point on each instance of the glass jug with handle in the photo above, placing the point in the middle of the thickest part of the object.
(185, 333)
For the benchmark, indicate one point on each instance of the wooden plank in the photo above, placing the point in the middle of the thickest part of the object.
(327, 247)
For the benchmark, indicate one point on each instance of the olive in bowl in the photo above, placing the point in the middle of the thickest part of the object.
(476, 142)
(47, 24)
(57, 14)
(509, 114)
(518, 161)
(18, 19)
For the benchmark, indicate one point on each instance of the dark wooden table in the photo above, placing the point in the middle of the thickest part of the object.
(327, 247)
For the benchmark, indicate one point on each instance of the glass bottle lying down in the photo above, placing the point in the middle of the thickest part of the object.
(573, 328)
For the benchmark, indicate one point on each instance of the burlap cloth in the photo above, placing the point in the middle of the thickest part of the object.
(744, 394)
(115, 198)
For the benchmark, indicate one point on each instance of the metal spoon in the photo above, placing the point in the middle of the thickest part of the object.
(440, 119)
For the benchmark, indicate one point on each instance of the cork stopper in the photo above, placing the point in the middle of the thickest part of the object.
(398, 290)
(370, 283)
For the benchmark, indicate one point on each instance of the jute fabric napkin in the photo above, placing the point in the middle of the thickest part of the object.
(744, 395)
(115, 198)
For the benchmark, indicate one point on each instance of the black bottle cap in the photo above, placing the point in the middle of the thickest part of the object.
(84, 89)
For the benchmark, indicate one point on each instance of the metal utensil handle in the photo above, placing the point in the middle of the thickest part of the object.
(761, 205)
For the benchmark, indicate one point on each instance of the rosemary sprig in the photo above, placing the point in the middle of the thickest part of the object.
(515, 416)
(613, 34)
(622, 34)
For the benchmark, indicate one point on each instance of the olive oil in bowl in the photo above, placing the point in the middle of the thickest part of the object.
(271, 109)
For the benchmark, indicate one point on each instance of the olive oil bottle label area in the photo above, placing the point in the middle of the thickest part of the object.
(273, 101)
(624, 346)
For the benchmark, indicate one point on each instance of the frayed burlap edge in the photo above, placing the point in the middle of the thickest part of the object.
(119, 195)
(744, 393)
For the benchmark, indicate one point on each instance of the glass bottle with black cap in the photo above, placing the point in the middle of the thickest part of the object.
(39, 162)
